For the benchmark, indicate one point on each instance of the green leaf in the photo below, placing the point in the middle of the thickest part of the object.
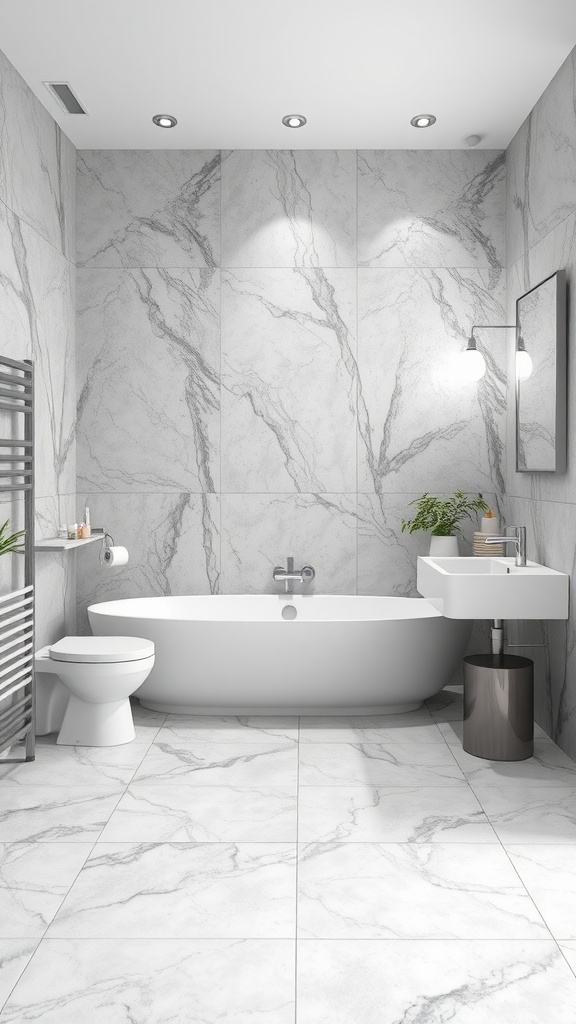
(10, 543)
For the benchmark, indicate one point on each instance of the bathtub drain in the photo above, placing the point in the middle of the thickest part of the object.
(289, 612)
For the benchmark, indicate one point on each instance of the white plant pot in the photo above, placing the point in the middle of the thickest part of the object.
(444, 547)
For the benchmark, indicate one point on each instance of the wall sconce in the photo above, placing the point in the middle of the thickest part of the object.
(524, 365)
(474, 364)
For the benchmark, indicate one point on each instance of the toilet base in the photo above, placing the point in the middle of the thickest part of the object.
(96, 725)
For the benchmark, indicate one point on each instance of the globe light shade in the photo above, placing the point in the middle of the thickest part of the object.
(524, 365)
(472, 362)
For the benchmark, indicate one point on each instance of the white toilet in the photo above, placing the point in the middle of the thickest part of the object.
(83, 684)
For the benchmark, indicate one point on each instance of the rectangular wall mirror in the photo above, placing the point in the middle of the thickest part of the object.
(541, 377)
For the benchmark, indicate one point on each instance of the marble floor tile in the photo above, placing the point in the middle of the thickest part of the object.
(549, 875)
(145, 716)
(448, 705)
(529, 813)
(373, 814)
(487, 982)
(70, 767)
(412, 891)
(149, 982)
(569, 951)
(221, 764)
(33, 885)
(14, 955)
(394, 763)
(549, 766)
(55, 814)
(182, 890)
(152, 812)
(417, 726)
(229, 729)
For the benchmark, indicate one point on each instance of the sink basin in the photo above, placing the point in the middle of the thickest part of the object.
(492, 588)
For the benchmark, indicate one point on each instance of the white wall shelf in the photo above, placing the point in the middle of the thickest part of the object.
(62, 544)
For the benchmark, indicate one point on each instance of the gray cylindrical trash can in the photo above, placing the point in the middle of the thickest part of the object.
(499, 707)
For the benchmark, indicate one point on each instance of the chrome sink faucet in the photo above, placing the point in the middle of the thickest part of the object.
(518, 538)
(287, 576)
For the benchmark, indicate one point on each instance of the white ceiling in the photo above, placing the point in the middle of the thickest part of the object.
(230, 69)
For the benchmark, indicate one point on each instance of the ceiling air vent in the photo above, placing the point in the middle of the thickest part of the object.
(66, 98)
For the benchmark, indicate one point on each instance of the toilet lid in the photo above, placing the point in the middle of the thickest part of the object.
(95, 649)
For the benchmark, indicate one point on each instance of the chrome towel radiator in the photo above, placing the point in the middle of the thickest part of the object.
(17, 695)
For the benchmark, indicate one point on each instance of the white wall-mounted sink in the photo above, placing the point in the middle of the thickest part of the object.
(492, 588)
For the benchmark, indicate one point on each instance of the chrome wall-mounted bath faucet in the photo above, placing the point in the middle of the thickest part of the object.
(287, 576)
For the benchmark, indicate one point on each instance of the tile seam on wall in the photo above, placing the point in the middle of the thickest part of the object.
(510, 266)
(32, 227)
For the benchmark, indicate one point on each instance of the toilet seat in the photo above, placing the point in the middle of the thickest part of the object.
(101, 649)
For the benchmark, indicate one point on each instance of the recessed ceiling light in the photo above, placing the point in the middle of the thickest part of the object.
(423, 120)
(294, 120)
(164, 120)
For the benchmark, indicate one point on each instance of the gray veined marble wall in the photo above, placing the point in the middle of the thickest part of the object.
(541, 238)
(267, 352)
(37, 306)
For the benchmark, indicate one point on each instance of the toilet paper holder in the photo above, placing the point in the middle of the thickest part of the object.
(99, 531)
(109, 554)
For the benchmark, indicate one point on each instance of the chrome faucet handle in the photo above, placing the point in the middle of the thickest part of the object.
(307, 573)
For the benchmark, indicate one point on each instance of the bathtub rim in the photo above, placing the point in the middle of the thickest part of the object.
(135, 608)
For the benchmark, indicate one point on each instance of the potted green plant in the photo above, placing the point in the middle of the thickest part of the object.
(442, 517)
(10, 542)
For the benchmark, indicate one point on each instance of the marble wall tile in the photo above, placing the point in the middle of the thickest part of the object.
(551, 540)
(37, 163)
(386, 556)
(55, 572)
(541, 165)
(430, 208)
(148, 380)
(173, 541)
(149, 208)
(420, 426)
(288, 380)
(50, 285)
(16, 308)
(37, 320)
(260, 530)
(289, 208)
(557, 250)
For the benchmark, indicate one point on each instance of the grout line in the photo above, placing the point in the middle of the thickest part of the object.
(5, 1002)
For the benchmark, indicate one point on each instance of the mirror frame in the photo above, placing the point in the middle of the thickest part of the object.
(561, 366)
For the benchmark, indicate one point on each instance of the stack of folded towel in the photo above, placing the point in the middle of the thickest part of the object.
(484, 550)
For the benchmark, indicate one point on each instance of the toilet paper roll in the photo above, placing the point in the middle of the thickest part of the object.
(116, 556)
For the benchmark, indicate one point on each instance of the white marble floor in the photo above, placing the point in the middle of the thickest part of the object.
(323, 871)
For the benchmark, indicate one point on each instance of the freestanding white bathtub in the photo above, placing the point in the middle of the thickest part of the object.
(240, 654)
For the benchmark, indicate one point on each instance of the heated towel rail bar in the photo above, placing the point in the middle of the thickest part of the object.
(17, 696)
